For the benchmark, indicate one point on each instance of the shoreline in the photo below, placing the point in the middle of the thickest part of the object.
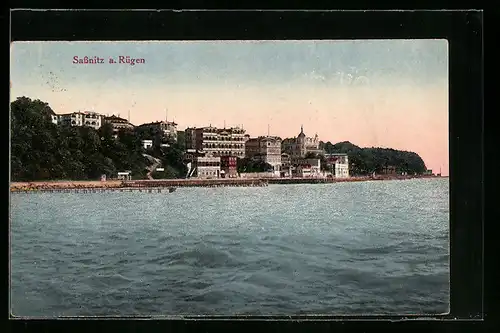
(65, 185)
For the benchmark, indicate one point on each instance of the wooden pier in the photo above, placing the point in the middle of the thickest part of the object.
(147, 186)
(92, 190)
(221, 182)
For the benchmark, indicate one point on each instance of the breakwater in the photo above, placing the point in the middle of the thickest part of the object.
(196, 182)
(159, 184)
(339, 180)
(132, 185)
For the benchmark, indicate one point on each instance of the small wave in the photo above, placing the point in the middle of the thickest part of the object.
(374, 250)
(114, 237)
(199, 256)
(109, 280)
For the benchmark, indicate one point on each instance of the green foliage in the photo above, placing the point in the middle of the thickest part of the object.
(251, 165)
(42, 150)
(181, 140)
(365, 161)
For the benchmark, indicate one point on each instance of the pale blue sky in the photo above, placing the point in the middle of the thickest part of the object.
(420, 61)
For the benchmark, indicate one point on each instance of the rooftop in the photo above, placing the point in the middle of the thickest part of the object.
(116, 118)
(159, 122)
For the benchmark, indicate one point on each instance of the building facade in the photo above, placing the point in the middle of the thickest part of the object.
(215, 141)
(300, 146)
(167, 128)
(85, 118)
(229, 166)
(310, 167)
(266, 149)
(339, 164)
(208, 167)
(286, 165)
(118, 124)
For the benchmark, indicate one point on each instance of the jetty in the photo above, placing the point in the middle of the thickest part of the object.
(151, 186)
(170, 185)
(192, 182)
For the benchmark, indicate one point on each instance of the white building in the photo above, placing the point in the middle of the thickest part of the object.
(208, 167)
(310, 167)
(86, 118)
(147, 144)
(339, 164)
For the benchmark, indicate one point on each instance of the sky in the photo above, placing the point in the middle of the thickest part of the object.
(373, 93)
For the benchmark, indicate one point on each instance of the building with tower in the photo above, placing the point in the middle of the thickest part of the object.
(301, 145)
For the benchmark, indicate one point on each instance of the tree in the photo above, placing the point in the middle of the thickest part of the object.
(41, 150)
(365, 161)
(181, 140)
(251, 165)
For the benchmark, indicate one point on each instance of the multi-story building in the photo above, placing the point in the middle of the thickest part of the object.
(252, 147)
(216, 141)
(339, 163)
(286, 165)
(266, 149)
(229, 166)
(300, 146)
(118, 124)
(167, 128)
(86, 118)
(310, 167)
(208, 166)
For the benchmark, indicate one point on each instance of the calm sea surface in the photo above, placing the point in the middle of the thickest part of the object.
(344, 248)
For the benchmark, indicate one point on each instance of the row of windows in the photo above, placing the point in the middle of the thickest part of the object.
(207, 164)
(207, 173)
(214, 145)
(237, 139)
(73, 122)
(215, 131)
(230, 153)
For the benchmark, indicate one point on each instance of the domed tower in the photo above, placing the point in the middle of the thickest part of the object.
(301, 137)
(301, 142)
